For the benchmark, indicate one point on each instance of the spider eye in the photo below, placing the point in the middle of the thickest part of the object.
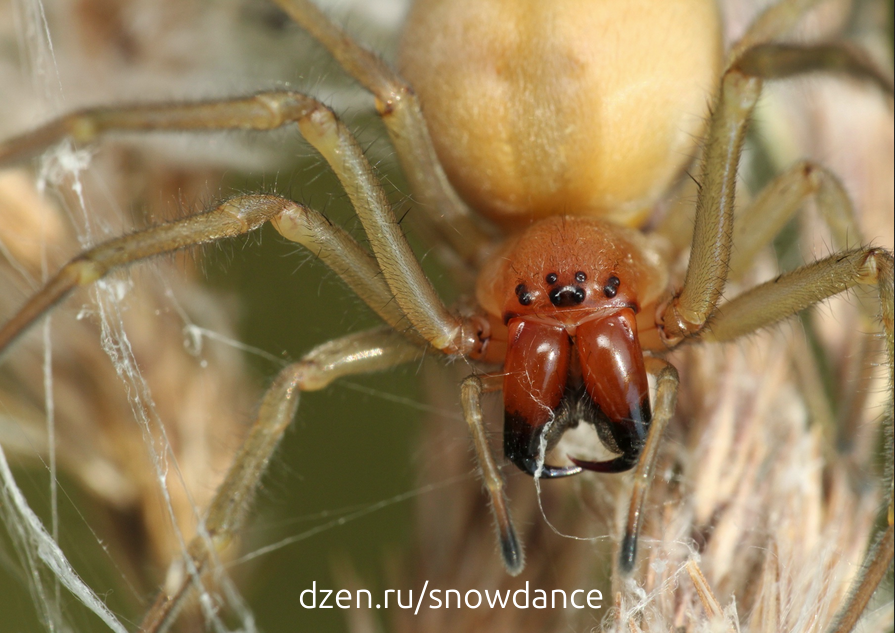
(611, 287)
(580, 277)
(551, 278)
(523, 294)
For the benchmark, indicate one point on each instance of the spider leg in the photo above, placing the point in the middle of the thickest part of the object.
(713, 232)
(403, 274)
(666, 398)
(403, 118)
(775, 21)
(263, 111)
(390, 280)
(779, 61)
(756, 227)
(791, 293)
(412, 290)
(233, 217)
(471, 391)
(364, 352)
(694, 311)
(776, 204)
(269, 110)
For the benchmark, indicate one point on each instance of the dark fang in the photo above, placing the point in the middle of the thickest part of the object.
(521, 445)
(629, 436)
(567, 296)
(523, 294)
(618, 465)
(611, 287)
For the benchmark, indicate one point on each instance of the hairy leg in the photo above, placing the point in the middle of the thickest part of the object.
(364, 352)
(400, 110)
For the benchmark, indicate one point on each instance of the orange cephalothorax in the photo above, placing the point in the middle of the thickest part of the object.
(571, 269)
(568, 290)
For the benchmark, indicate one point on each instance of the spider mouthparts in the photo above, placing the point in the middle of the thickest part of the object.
(530, 466)
(616, 465)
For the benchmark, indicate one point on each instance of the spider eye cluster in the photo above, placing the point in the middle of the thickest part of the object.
(566, 295)
(563, 295)
(564, 267)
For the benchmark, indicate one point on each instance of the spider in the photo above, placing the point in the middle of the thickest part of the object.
(549, 298)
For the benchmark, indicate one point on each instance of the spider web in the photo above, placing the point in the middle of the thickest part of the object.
(45, 563)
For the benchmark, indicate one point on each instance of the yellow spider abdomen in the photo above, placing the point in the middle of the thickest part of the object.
(583, 107)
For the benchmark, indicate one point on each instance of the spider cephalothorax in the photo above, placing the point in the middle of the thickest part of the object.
(569, 313)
